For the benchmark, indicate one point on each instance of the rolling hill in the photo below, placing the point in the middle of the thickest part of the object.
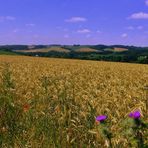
(86, 49)
(118, 53)
(43, 50)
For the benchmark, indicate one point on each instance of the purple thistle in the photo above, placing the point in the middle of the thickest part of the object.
(130, 115)
(101, 118)
(135, 115)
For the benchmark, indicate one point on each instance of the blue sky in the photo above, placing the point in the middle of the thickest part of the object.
(74, 22)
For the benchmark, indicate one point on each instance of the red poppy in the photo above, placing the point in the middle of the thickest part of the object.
(26, 107)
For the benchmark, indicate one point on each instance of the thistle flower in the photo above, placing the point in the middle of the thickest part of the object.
(101, 118)
(135, 115)
(104, 129)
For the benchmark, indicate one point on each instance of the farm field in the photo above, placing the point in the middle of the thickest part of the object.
(116, 49)
(58, 49)
(49, 102)
(86, 50)
(44, 50)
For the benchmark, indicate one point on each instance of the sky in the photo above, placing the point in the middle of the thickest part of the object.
(74, 22)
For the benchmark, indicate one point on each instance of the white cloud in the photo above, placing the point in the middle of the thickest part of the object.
(84, 31)
(66, 36)
(76, 19)
(88, 36)
(124, 35)
(58, 27)
(146, 32)
(139, 27)
(16, 30)
(134, 27)
(11, 18)
(130, 28)
(139, 15)
(65, 29)
(30, 25)
(7, 18)
(146, 2)
(98, 31)
(35, 36)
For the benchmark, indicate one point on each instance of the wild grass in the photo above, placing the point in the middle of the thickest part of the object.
(53, 102)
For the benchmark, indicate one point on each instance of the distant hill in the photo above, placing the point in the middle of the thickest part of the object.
(43, 50)
(86, 49)
(118, 53)
(71, 47)
(4, 52)
(116, 49)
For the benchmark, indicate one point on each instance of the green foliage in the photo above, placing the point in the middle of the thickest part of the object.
(143, 59)
(105, 130)
(10, 112)
(134, 131)
(3, 52)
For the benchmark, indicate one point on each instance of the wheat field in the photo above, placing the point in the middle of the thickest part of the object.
(55, 101)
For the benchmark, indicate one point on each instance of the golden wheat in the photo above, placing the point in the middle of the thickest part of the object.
(114, 89)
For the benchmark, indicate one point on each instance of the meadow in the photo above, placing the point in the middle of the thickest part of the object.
(49, 102)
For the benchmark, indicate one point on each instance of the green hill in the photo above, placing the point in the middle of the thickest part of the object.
(4, 52)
